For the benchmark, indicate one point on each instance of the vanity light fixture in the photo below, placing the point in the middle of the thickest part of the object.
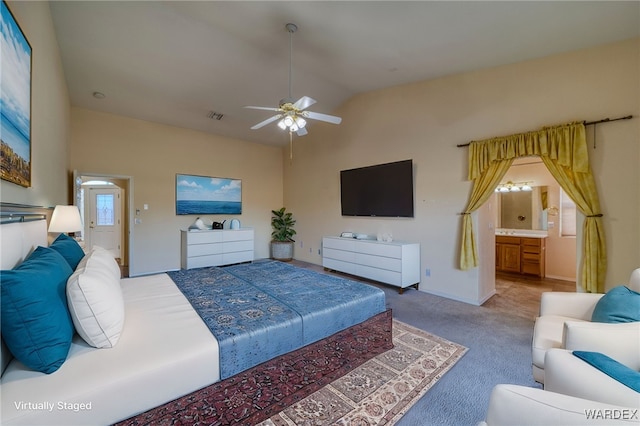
(514, 186)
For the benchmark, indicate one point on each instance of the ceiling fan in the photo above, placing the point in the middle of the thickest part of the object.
(292, 115)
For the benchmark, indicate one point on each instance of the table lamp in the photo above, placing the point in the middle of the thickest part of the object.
(65, 219)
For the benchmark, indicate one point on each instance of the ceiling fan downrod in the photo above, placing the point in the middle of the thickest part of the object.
(291, 28)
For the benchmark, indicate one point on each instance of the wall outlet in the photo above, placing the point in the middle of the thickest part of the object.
(427, 272)
(319, 253)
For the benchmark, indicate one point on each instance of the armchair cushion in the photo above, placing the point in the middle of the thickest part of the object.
(611, 368)
(620, 304)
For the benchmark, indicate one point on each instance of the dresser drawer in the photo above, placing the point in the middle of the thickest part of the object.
(237, 257)
(204, 249)
(382, 275)
(339, 265)
(195, 237)
(233, 246)
(380, 262)
(378, 249)
(338, 243)
(202, 261)
(240, 235)
(344, 255)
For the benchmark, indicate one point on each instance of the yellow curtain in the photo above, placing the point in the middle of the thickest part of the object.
(563, 149)
(483, 187)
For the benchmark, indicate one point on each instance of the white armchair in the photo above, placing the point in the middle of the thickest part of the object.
(520, 405)
(565, 322)
(575, 393)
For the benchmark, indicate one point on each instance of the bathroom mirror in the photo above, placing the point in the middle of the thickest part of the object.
(523, 209)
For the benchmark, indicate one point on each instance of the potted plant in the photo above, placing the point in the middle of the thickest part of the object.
(281, 238)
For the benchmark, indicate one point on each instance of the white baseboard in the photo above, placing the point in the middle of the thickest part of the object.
(557, 277)
(459, 299)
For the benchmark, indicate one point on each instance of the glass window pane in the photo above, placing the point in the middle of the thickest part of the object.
(104, 210)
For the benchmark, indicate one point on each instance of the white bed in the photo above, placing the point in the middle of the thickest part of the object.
(165, 351)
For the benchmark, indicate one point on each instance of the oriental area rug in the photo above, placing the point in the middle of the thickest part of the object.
(355, 377)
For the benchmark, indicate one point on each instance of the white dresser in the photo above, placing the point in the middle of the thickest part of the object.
(394, 263)
(216, 247)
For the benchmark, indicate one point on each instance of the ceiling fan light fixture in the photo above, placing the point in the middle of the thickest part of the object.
(288, 121)
(301, 122)
(282, 125)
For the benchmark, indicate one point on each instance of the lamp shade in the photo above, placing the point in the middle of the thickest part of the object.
(65, 219)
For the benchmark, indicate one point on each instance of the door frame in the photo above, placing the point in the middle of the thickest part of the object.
(127, 212)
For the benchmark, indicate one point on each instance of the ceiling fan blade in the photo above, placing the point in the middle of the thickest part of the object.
(304, 103)
(301, 132)
(322, 117)
(264, 108)
(267, 121)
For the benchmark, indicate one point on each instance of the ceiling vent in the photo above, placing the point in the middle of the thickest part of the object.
(215, 115)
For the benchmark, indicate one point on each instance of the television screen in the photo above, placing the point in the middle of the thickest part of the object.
(382, 190)
(208, 195)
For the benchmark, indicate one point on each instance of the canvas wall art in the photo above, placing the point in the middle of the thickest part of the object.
(15, 102)
(208, 195)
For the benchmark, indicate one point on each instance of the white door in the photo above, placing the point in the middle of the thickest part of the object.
(104, 227)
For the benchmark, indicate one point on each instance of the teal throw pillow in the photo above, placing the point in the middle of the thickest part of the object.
(36, 324)
(620, 304)
(69, 249)
(611, 368)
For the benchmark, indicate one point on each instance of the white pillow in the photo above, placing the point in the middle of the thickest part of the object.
(95, 299)
(105, 259)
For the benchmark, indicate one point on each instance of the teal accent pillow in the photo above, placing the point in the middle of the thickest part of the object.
(611, 368)
(620, 304)
(36, 324)
(69, 249)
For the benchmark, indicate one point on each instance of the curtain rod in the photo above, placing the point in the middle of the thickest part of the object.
(586, 123)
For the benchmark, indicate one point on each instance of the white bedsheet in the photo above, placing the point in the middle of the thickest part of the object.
(165, 351)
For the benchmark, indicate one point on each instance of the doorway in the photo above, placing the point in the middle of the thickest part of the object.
(545, 214)
(104, 202)
(103, 217)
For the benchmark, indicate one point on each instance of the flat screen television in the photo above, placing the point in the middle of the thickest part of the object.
(384, 190)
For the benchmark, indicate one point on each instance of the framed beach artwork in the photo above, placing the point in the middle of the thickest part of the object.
(208, 195)
(15, 103)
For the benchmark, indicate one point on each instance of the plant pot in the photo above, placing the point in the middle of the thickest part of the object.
(282, 250)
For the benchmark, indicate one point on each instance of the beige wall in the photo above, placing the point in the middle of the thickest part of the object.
(424, 121)
(151, 154)
(50, 111)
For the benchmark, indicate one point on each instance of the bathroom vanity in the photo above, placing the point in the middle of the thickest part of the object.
(522, 253)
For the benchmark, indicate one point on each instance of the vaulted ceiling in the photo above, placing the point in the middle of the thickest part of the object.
(176, 62)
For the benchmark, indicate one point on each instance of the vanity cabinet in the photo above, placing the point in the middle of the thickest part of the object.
(521, 255)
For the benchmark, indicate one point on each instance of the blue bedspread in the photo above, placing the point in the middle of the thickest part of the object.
(326, 303)
(260, 310)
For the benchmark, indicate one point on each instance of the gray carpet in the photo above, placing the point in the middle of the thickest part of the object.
(499, 352)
